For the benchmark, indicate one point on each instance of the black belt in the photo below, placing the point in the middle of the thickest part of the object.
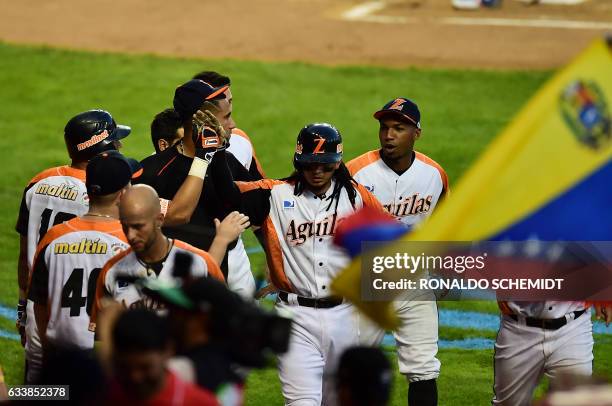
(322, 303)
(547, 324)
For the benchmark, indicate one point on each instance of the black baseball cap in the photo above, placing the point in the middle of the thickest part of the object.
(109, 172)
(403, 108)
(189, 96)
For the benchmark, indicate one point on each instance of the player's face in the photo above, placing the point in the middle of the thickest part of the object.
(141, 374)
(162, 144)
(140, 230)
(397, 138)
(224, 114)
(228, 96)
(318, 176)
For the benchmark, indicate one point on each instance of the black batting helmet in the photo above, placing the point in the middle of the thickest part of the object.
(318, 143)
(91, 132)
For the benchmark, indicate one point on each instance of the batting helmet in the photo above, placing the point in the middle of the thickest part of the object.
(91, 132)
(318, 143)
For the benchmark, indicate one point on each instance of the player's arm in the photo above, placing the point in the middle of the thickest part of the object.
(23, 271)
(22, 268)
(227, 231)
(206, 141)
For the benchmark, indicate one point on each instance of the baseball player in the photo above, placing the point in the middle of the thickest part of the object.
(70, 256)
(241, 278)
(298, 216)
(152, 255)
(409, 185)
(167, 170)
(52, 197)
(59, 194)
(536, 338)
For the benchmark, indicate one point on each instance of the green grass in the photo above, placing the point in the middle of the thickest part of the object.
(466, 378)
(41, 88)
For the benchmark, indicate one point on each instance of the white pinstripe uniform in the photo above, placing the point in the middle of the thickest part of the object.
(410, 197)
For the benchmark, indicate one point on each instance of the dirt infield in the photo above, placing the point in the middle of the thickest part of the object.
(397, 33)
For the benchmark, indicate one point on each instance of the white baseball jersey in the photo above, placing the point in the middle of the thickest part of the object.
(243, 150)
(410, 197)
(299, 231)
(52, 197)
(126, 264)
(68, 261)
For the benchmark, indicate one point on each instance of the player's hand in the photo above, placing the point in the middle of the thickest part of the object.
(604, 312)
(231, 227)
(205, 139)
(21, 320)
(211, 121)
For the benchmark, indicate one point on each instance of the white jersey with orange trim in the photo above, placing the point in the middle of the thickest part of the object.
(410, 197)
(127, 265)
(299, 232)
(51, 197)
(66, 267)
(242, 149)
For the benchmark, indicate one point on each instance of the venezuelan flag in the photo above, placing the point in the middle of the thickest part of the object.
(547, 176)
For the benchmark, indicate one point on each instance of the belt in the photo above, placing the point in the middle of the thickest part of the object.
(547, 324)
(322, 303)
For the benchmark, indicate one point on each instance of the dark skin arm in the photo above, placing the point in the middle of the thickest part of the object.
(22, 267)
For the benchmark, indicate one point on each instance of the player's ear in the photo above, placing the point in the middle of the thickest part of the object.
(336, 166)
(159, 220)
(162, 145)
(417, 133)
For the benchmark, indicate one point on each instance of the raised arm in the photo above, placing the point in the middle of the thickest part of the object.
(207, 141)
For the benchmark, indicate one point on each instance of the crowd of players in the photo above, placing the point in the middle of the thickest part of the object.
(144, 261)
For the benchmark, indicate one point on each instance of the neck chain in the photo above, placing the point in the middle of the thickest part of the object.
(163, 259)
(100, 215)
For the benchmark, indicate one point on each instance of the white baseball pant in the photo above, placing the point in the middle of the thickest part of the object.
(318, 338)
(33, 348)
(523, 354)
(416, 338)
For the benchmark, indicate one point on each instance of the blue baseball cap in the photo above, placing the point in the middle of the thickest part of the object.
(188, 97)
(109, 172)
(403, 108)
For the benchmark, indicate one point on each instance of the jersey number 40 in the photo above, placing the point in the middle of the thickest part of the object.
(72, 290)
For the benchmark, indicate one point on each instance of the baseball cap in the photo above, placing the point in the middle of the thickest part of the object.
(402, 107)
(110, 172)
(189, 96)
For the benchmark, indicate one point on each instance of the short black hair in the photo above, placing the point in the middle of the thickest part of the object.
(213, 78)
(140, 330)
(164, 127)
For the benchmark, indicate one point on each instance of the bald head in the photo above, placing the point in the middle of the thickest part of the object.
(142, 199)
(141, 218)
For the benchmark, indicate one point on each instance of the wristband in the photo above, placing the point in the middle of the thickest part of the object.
(198, 168)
